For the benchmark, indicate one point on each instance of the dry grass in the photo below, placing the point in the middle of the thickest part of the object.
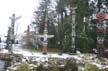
(52, 50)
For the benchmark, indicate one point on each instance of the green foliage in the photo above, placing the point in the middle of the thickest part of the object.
(84, 41)
(92, 67)
(23, 67)
(41, 13)
(80, 70)
(65, 34)
(87, 42)
(71, 66)
(41, 68)
(62, 33)
(106, 69)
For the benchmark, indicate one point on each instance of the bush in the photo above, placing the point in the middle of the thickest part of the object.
(106, 69)
(71, 66)
(91, 67)
(23, 67)
(40, 68)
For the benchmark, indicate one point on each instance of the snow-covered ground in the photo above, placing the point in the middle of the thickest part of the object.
(27, 53)
(2, 45)
(80, 58)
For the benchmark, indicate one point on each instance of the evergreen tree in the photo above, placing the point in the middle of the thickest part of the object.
(40, 14)
(62, 17)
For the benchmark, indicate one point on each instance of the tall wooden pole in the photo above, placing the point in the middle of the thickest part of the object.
(13, 20)
(28, 37)
(73, 23)
(10, 35)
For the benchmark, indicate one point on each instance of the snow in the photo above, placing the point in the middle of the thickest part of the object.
(40, 57)
(2, 45)
(26, 53)
(4, 51)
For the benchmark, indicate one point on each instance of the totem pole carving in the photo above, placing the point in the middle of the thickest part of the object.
(101, 16)
(10, 35)
(45, 37)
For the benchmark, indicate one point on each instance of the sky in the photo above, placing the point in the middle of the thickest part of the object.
(23, 8)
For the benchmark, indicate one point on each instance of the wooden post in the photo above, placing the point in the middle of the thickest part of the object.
(28, 37)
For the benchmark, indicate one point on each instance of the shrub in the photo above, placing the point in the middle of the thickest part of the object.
(106, 69)
(91, 67)
(23, 67)
(71, 66)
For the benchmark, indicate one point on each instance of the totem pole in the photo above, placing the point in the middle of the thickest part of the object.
(73, 28)
(101, 16)
(8, 40)
(28, 37)
(13, 20)
(10, 35)
(45, 37)
(73, 23)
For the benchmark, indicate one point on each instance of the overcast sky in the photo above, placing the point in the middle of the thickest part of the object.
(22, 8)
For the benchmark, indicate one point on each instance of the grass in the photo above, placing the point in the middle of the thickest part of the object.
(52, 50)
